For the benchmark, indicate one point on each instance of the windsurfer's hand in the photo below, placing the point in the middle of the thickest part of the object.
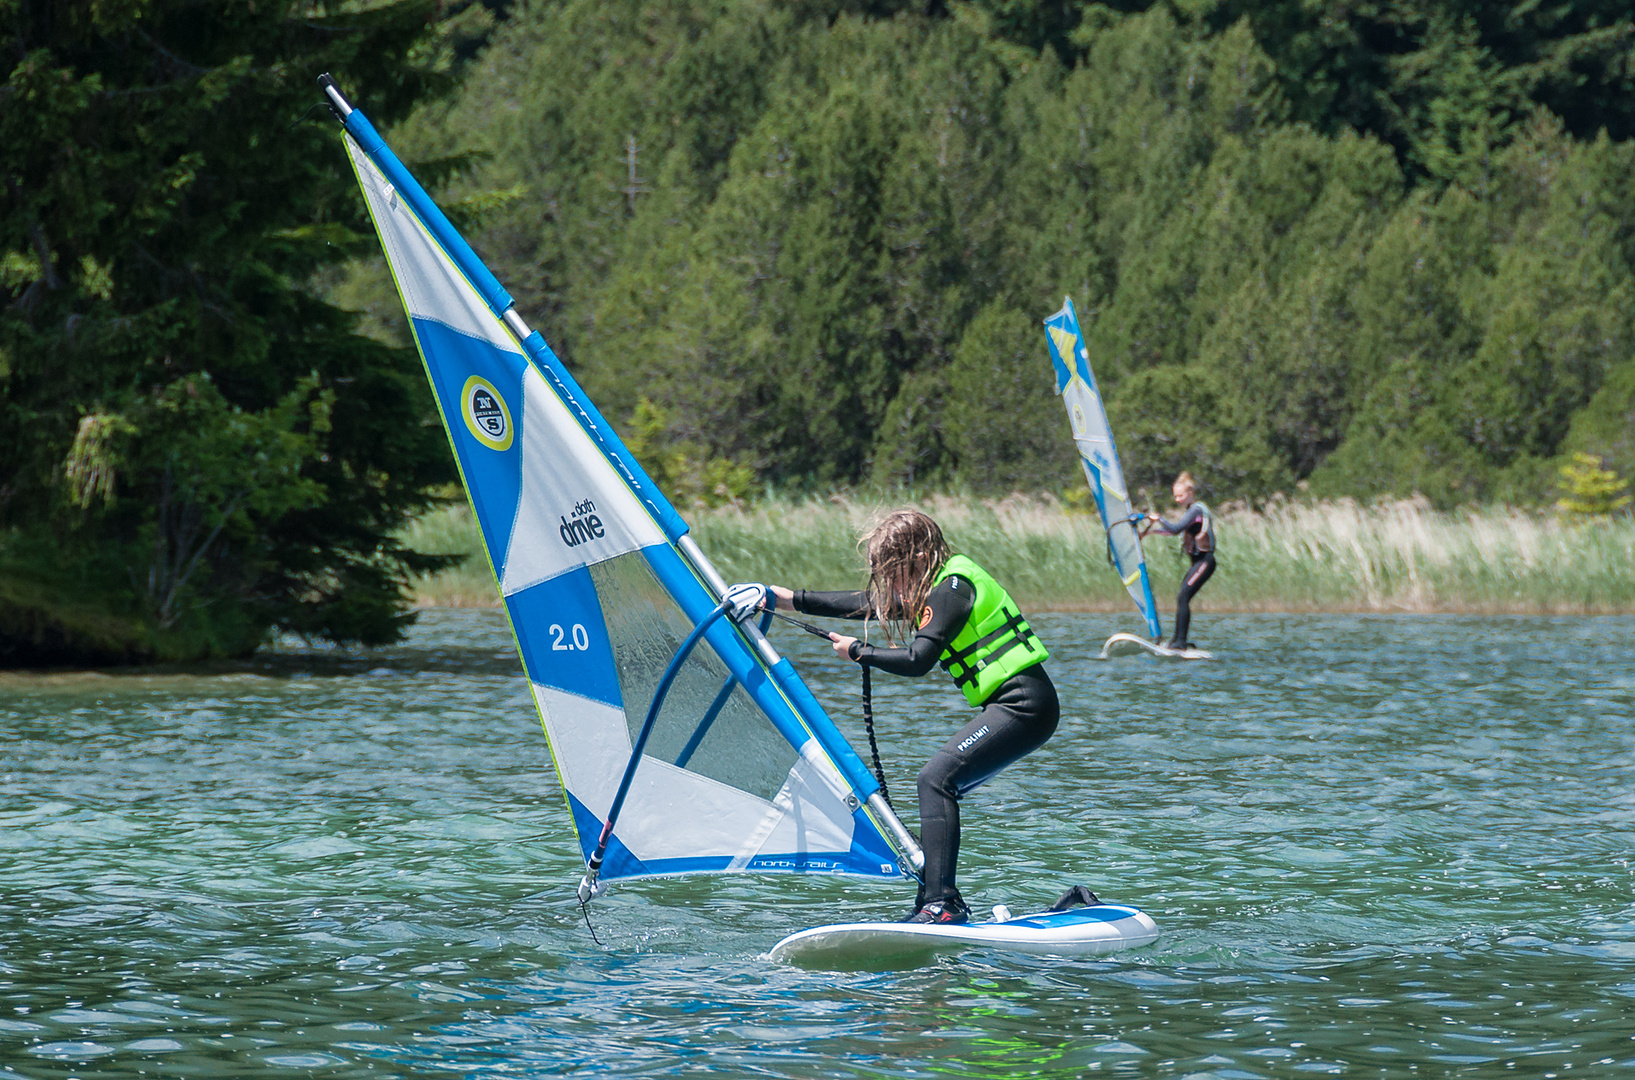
(842, 645)
(786, 597)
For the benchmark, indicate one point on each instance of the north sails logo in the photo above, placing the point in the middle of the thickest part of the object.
(583, 527)
(485, 409)
(486, 415)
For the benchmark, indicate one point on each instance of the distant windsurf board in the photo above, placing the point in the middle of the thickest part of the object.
(1130, 645)
(1085, 931)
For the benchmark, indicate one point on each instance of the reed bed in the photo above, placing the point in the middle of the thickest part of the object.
(452, 530)
(1294, 556)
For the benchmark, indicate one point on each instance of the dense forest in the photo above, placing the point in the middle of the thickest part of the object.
(1363, 250)
(194, 446)
(811, 244)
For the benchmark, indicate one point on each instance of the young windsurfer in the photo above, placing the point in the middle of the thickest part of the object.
(958, 616)
(1196, 528)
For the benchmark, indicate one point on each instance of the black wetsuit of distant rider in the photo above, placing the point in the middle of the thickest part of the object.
(1198, 541)
(1016, 719)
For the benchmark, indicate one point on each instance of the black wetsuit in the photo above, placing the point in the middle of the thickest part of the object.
(1200, 548)
(1015, 720)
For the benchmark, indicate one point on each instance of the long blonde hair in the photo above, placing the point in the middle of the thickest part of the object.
(905, 551)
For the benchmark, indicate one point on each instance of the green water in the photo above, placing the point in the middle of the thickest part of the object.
(1374, 846)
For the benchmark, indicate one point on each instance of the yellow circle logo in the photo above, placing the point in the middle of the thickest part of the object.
(486, 415)
(1078, 418)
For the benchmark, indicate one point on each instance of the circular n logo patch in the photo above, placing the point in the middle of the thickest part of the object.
(486, 415)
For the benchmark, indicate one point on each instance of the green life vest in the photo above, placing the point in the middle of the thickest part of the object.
(995, 642)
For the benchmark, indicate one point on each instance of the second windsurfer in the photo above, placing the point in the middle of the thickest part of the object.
(1196, 528)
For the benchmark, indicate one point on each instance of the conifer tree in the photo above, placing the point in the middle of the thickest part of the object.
(1399, 275)
(1590, 490)
(195, 449)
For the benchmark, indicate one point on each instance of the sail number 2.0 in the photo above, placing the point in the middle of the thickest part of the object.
(578, 639)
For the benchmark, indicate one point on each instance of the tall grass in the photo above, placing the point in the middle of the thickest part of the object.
(1334, 556)
(452, 530)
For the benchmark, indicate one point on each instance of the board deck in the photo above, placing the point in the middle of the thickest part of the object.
(1130, 645)
(1085, 931)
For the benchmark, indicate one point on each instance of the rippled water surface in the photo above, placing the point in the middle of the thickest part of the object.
(1374, 845)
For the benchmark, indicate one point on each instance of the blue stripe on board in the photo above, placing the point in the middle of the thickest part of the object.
(548, 619)
(1104, 913)
(493, 477)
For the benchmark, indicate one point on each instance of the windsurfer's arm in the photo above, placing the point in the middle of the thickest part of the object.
(835, 605)
(1192, 515)
(950, 606)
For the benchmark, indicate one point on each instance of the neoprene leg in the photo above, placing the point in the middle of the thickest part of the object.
(994, 739)
(1199, 572)
(1183, 618)
(939, 837)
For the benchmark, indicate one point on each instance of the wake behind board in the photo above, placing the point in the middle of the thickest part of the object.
(1085, 931)
(1130, 645)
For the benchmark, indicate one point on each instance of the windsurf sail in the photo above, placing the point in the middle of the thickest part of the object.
(729, 765)
(1094, 437)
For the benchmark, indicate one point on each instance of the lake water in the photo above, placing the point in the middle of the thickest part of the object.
(1374, 846)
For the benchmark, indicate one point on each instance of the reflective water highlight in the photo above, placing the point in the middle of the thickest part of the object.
(1375, 845)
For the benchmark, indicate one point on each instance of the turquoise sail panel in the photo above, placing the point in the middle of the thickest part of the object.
(742, 771)
(1093, 436)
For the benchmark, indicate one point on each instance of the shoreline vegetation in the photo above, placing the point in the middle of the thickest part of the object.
(1346, 251)
(1292, 557)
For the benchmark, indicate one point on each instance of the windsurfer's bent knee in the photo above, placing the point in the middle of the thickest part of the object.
(1018, 719)
(962, 619)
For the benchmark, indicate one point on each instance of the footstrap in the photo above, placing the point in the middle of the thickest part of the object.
(1075, 896)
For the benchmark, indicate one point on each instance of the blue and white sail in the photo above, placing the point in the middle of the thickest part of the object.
(740, 769)
(1094, 437)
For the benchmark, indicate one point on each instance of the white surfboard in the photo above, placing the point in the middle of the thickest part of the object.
(1130, 645)
(1084, 931)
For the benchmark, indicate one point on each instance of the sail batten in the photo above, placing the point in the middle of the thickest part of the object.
(1093, 436)
(740, 768)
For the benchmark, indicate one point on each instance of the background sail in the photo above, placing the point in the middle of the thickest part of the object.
(1094, 438)
(742, 770)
